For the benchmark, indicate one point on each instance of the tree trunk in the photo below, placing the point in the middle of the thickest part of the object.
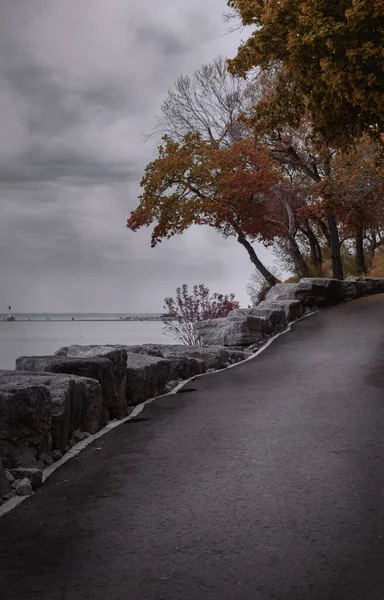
(325, 230)
(337, 266)
(271, 279)
(298, 260)
(360, 260)
(371, 254)
(316, 252)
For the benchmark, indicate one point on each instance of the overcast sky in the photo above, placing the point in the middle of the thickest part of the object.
(80, 81)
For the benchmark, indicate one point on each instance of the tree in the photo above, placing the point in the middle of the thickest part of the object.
(355, 186)
(186, 309)
(209, 103)
(306, 164)
(214, 104)
(200, 183)
(327, 58)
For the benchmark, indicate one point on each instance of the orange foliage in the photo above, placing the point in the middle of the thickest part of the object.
(329, 58)
(355, 187)
(197, 182)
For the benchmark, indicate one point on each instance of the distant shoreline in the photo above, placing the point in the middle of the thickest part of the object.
(78, 319)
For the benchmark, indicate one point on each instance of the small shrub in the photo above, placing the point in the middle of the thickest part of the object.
(186, 309)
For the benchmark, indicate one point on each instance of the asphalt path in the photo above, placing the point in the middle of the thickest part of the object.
(265, 481)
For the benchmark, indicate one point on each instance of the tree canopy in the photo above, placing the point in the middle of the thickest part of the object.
(197, 182)
(327, 58)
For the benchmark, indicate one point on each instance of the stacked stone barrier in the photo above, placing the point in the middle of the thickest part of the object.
(285, 302)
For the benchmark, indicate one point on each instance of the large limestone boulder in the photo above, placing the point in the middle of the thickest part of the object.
(77, 403)
(373, 285)
(118, 358)
(142, 378)
(98, 368)
(5, 487)
(199, 358)
(293, 309)
(353, 288)
(184, 367)
(312, 292)
(147, 377)
(274, 314)
(25, 419)
(234, 331)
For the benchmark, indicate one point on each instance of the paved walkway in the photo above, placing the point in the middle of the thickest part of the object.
(262, 482)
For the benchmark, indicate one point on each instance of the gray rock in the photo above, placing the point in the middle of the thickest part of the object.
(99, 368)
(275, 314)
(57, 455)
(312, 292)
(40, 465)
(207, 357)
(184, 367)
(172, 384)
(25, 418)
(46, 459)
(79, 436)
(373, 285)
(27, 459)
(5, 483)
(24, 488)
(8, 476)
(353, 288)
(62, 351)
(147, 377)
(118, 357)
(35, 476)
(293, 308)
(233, 331)
(77, 403)
(181, 365)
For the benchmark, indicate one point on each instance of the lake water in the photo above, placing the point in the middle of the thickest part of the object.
(33, 338)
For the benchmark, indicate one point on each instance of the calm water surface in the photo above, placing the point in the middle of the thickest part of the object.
(36, 338)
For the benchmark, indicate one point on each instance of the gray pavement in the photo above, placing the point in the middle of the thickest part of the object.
(265, 481)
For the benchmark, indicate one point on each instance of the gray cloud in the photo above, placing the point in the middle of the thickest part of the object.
(79, 84)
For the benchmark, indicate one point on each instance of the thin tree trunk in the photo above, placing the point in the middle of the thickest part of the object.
(315, 248)
(271, 279)
(371, 254)
(324, 230)
(360, 260)
(298, 260)
(337, 266)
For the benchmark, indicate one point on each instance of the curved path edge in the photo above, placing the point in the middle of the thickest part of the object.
(75, 450)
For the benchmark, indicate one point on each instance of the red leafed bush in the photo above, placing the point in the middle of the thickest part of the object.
(186, 309)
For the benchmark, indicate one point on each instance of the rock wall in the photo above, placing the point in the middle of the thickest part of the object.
(25, 419)
(284, 303)
(49, 403)
(95, 367)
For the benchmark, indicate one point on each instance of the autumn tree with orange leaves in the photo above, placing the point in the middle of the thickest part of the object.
(195, 182)
(355, 187)
(327, 57)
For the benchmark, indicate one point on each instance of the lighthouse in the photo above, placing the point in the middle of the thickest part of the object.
(10, 317)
